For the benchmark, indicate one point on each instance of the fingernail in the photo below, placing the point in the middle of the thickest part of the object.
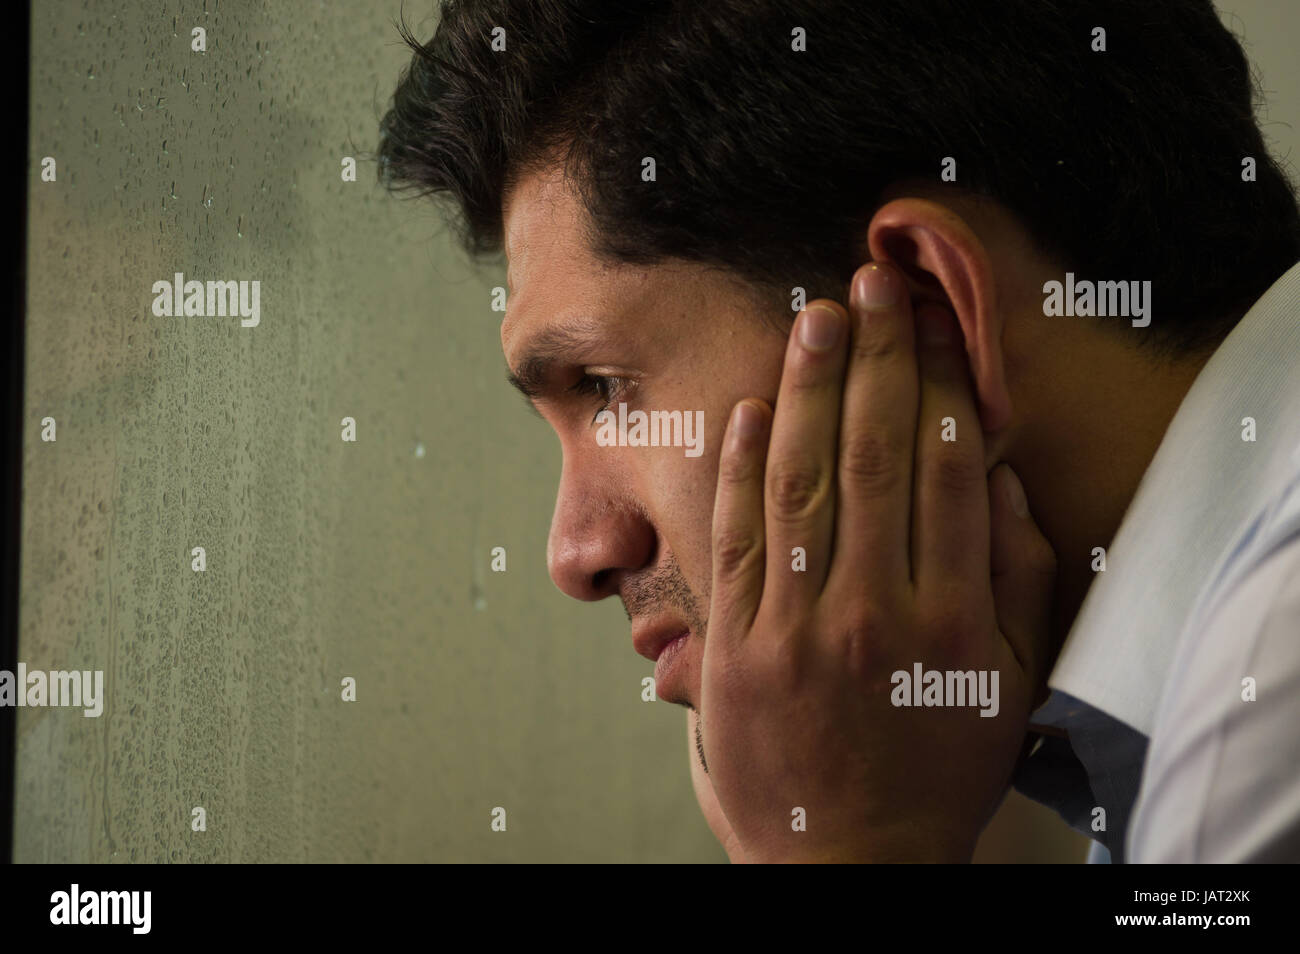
(876, 287)
(745, 421)
(1016, 493)
(819, 328)
(937, 327)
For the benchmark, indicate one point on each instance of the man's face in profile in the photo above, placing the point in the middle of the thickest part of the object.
(630, 521)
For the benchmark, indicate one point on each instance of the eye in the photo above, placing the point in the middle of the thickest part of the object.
(604, 387)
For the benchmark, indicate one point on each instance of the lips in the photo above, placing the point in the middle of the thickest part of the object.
(670, 651)
(668, 670)
(664, 641)
(651, 640)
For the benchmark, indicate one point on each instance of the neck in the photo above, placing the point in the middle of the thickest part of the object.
(1094, 412)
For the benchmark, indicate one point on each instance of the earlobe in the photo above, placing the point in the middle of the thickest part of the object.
(946, 263)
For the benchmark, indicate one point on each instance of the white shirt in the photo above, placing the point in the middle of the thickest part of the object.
(1201, 592)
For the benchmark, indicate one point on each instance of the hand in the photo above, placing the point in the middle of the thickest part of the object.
(914, 554)
(708, 801)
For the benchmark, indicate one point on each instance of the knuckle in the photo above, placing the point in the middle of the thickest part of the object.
(878, 340)
(738, 469)
(870, 462)
(795, 488)
(808, 373)
(954, 471)
(732, 548)
(807, 383)
(866, 649)
(783, 665)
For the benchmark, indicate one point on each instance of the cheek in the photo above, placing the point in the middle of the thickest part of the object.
(688, 486)
(680, 491)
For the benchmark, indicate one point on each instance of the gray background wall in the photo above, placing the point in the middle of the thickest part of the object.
(325, 559)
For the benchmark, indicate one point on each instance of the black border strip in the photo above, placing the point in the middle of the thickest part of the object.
(13, 353)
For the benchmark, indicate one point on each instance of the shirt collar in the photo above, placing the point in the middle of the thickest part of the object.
(1202, 485)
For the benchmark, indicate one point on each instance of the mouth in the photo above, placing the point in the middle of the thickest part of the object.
(664, 645)
(670, 650)
(651, 639)
(669, 668)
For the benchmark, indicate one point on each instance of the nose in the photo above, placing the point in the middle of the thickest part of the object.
(598, 532)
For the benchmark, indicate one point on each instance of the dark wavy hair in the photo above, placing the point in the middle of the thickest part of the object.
(1123, 164)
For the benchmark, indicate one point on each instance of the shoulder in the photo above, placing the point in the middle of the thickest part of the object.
(1221, 781)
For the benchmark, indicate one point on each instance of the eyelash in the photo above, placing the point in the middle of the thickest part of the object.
(590, 384)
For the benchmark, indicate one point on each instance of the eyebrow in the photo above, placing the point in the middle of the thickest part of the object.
(547, 350)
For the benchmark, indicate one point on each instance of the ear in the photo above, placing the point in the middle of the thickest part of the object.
(945, 262)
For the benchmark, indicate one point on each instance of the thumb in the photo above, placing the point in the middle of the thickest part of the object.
(1023, 569)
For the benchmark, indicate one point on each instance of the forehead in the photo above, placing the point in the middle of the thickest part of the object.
(554, 278)
(542, 225)
(541, 234)
(551, 271)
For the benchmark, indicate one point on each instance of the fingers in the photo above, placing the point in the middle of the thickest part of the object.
(1023, 568)
(738, 546)
(800, 485)
(877, 435)
(950, 521)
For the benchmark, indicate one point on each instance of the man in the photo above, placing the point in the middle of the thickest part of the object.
(1046, 349)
